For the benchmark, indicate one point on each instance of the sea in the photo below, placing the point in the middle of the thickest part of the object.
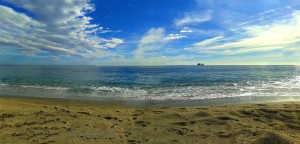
(149, 83)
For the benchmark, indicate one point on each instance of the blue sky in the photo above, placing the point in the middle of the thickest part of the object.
(150, 32)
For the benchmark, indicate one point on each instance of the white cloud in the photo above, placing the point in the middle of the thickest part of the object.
(151, 43)
(60, 16)
(277, 35)
(208, 41)
(113, 42)
(109, 31)
(193, 18)
(152, 40)
(186, 30)
(58, 27)
(246, 51)
(175, 36)
(266, 59)
(155, 61)
(9, 17)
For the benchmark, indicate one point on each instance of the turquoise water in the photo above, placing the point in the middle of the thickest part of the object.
(149, 83)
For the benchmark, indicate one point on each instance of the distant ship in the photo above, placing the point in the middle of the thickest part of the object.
(200, 64)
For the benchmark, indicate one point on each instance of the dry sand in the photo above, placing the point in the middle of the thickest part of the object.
(25, 120)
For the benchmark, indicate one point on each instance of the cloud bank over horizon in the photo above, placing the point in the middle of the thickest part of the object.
(151, 33)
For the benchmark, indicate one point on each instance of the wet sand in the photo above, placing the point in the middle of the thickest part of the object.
(30, 120)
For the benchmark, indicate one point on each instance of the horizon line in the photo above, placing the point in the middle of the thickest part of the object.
(144, 65)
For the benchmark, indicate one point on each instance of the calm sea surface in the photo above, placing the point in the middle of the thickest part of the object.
(149, 83)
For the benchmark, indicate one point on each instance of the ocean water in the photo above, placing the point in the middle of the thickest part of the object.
(149, 83)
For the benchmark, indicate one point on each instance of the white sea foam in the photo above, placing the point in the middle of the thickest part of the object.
(284, 87)
(2, 84)
(33, 90)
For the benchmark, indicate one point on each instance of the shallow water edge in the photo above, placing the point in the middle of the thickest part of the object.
(163, 103)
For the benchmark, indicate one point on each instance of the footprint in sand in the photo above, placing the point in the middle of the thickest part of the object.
(271, 138)
(158, 112)
(84, 113)
(133, 142)
(225, 118)
(64, 111)
(181, 131)
(202, 114)
(142, 123)
(184, 123)
(110, 118)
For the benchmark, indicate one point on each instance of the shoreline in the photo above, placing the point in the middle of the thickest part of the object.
(162, 103)
(42, 120)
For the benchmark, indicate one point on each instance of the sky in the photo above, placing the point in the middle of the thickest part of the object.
(150, 32)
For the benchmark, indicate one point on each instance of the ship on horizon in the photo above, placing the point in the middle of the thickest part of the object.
(200, 64)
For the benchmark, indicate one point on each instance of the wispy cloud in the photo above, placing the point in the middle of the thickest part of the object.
(263, 59)
(194, 17)
(113, 42)
(186, 30)
(277, 35)
(175, 36)
(181, 59)
(59, 27)
(154, 40)
(208, 41)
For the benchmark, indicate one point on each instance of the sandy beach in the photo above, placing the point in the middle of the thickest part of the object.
(31, 120)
